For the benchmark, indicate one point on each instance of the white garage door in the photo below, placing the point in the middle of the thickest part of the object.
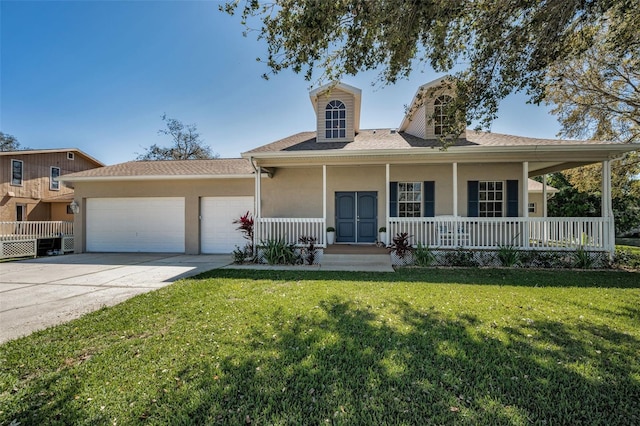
(135, 224)
(218, 232)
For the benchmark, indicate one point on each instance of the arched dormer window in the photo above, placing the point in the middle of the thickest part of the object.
(335, 120)
(440, 117)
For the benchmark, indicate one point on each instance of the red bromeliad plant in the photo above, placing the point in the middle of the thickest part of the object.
(246, 227)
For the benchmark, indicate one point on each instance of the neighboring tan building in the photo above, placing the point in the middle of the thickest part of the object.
(30, 187)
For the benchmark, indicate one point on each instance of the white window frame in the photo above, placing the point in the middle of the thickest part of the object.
(21, 172)
(532, 207)
(335, 120)
(71, 156)
(54, 183)
(410, 197)
(494, 193)
(440, 116)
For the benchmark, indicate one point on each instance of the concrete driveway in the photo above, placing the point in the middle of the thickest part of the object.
(39, 293)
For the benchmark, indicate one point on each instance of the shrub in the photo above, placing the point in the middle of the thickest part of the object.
(460, 257)
(246, 227)
(582, 259)
(278, 252)
(401, 246)
(509, 256)
(627, 257)
(309, 249)
(331, 229)
(423, 256)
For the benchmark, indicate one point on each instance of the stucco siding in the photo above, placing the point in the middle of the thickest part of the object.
(293, 192)
(191, 190)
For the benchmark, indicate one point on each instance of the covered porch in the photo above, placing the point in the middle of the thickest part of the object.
(449, 225)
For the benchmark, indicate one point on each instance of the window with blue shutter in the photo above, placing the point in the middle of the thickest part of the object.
(512, 198)
(393, 199)
(472, 198)
(429, 199)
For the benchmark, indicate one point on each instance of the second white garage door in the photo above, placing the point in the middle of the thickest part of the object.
(218, 232)
(136, 224)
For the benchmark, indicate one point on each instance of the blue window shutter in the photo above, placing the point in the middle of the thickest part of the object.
(393, 199)
(512, 198)
(429, 198)
(472, 198)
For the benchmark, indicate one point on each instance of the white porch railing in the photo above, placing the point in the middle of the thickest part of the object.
(526, 233)
(12, 231)
(289, 229)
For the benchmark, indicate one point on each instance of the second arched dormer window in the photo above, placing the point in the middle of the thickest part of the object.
(335, 120)
(440, 115)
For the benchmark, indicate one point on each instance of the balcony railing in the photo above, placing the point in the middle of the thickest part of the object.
(289, 229)
(12, 231)
(527, 233)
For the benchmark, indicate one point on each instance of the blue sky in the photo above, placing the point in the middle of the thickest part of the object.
(98, 75)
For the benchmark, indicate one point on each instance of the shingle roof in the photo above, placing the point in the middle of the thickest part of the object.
(51, 151)
(196, 168)
(389, 139)
(535, 186)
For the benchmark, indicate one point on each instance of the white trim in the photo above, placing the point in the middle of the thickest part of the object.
(51, 179)
(387, 195)
(455, 189)
(156, 177)
(525, 189)
(324, 194)
(544, 195)
(21, 173)
(453, 153)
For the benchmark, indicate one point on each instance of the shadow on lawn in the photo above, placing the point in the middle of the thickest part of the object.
(475, 276)
(347, 362)
(342, 363)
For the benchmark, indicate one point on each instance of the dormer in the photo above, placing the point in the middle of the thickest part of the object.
(337, 107)
(426, 116)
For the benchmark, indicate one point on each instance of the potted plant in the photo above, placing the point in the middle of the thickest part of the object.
(382, 235)
(331, 234)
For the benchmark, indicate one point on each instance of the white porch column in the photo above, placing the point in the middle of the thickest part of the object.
(455, 189)
(324, 198)
(525, 202)
(606, 188)
(258, 212)
(544, 195)
(607, 210)
(387, 208)
(525, 189)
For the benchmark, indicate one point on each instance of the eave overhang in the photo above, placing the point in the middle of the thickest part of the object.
(549, 156)
(155, 178)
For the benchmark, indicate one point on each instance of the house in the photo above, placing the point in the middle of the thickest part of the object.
(30, 183)
(477, 193)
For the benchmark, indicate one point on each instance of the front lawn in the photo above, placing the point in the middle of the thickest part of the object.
(431, 346)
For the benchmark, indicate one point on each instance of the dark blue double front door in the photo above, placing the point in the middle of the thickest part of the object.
(356, 217)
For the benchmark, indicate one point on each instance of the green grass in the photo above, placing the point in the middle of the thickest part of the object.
(421, 346)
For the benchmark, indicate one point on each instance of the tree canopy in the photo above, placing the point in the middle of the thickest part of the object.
(9, 142)
(187, 144)
(493, 48)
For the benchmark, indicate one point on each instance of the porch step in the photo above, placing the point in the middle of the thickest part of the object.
(360, 249)
(356, 262)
